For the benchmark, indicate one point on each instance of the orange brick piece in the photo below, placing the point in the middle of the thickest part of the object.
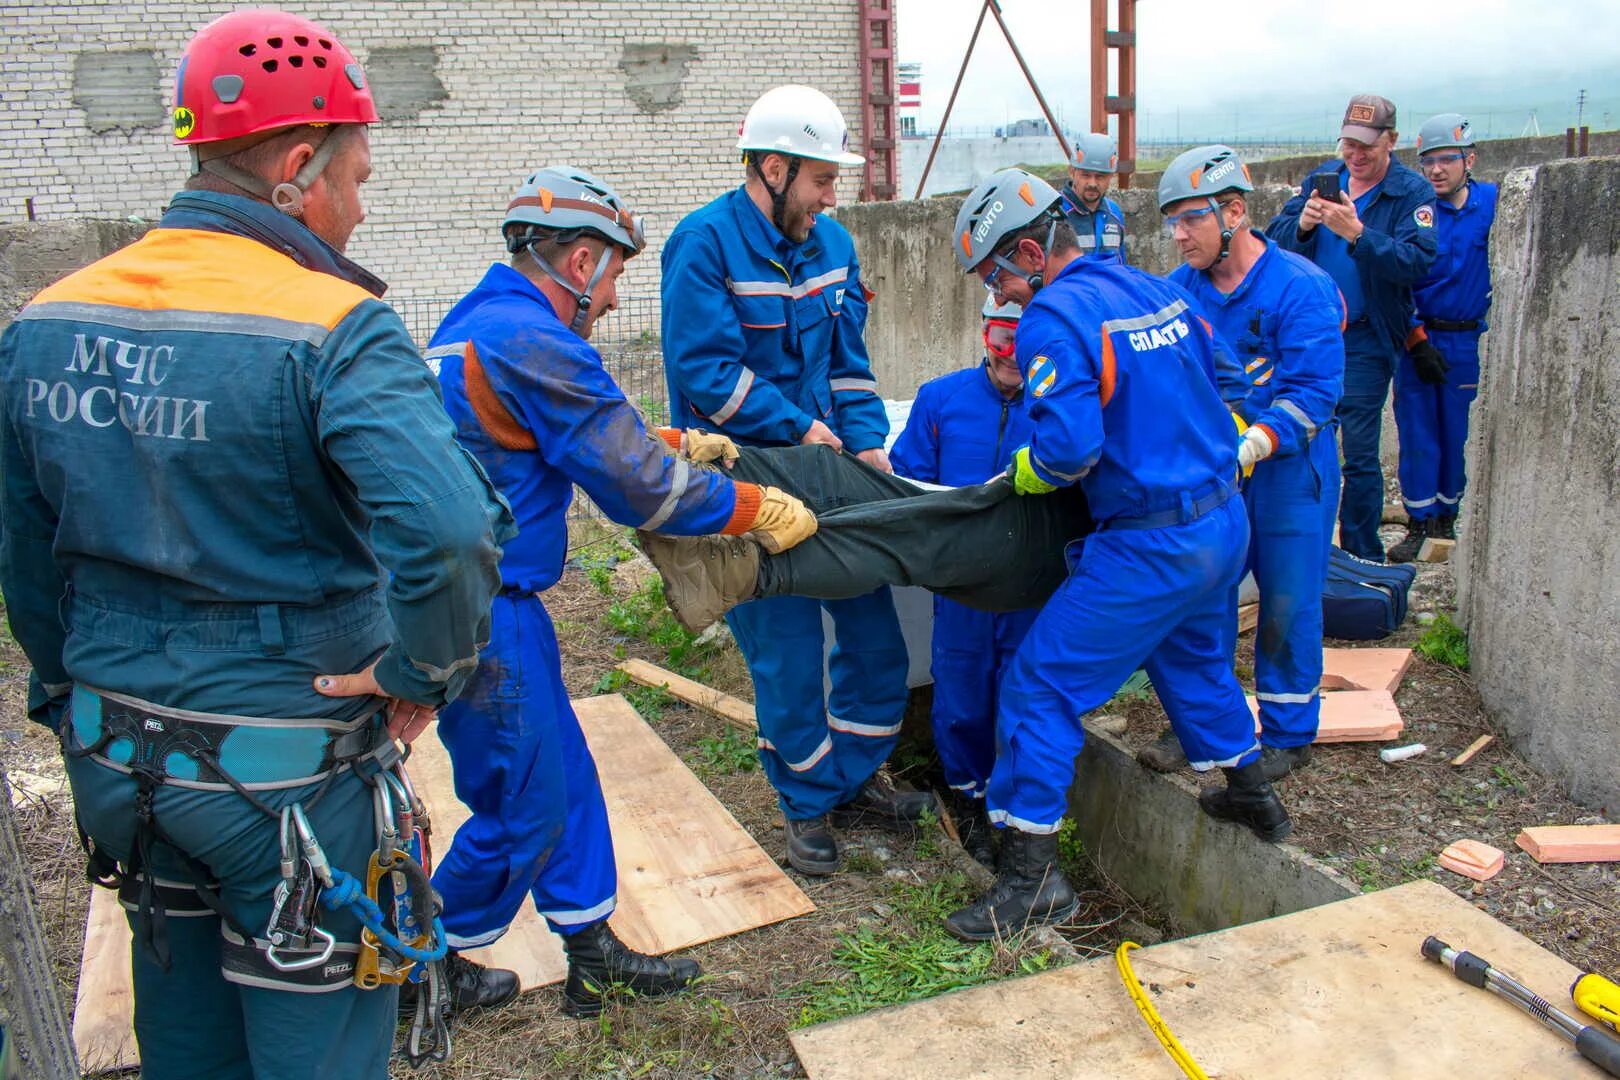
(1473, 859)
(1364, 669)
(1572, 843)
(1353, 716)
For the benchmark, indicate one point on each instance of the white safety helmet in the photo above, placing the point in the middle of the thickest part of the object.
(1009, 310)
(798, 121)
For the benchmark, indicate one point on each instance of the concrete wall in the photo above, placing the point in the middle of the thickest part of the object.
(926, 318)
(1539, 562)
(963, 162)
(33, 255)
(648, 93)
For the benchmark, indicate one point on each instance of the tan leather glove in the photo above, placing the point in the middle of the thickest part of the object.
(782, 521)
(704, 446)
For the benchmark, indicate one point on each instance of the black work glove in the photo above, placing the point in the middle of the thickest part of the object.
(1430, 363)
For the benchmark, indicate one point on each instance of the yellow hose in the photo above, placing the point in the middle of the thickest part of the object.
(1155, 1023)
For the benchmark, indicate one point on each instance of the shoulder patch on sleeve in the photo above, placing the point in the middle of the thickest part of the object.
(1042, 375)
(1424, 216)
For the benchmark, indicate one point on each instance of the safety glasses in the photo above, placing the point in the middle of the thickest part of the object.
(1186, 217)
(1430, 161)
(999, 335)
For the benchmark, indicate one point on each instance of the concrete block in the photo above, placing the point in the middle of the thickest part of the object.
(1145, 831)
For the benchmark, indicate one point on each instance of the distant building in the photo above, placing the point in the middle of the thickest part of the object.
(910, 101)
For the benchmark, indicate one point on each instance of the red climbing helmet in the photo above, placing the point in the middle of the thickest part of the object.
(260, 70)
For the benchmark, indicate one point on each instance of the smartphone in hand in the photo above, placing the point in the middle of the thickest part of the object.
(1326, 185)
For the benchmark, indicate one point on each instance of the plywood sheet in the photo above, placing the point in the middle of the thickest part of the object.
(1333, 993)
(688, 873)
(1364, 669)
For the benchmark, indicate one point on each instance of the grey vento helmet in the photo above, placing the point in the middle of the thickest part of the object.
(565, 200)
(1205, 172)
(1009, 310)
(1446, 131)
(1003, 204)
(1096, 152)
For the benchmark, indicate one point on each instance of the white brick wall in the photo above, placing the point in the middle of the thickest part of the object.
(529, 85)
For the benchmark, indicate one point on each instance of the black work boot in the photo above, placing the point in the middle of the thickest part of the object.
(879, 804)
(599, 963)
(1163, 754)
(1278, 761)
(973, 828)
(1248, 800)
(1407, 548)
(472, 986)
(1444, 527)
(811, 848)
(1029, 890)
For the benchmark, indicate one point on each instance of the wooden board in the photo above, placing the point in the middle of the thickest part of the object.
(1352, 716)
(688, 873)
(1571, 843)
(1436, 550)
(1364, 669)
(104, 1012)
(1248, 618)
(1332, 993)
(734, 711)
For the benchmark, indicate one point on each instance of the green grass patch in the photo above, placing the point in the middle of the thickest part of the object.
(909, 956)
(649, 701)
(1445, 643)
(729, 752)
(644, 615)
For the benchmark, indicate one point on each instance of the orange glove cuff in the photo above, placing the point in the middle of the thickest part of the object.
(1419, 333)
(746, 510)
(671, 436)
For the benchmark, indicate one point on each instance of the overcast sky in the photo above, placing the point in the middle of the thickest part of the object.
(1281, 68)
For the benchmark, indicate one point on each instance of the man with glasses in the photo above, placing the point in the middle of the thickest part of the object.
(1435, 383)
(962, 430)
(531, 401)
(1368, 221)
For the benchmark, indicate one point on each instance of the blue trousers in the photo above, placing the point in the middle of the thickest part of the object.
(1291, 502)
(1161, 599)
(971, 653)
(539, 827)
(1368, 367)
(1433, 426)
(818, 749)
(190, 1022)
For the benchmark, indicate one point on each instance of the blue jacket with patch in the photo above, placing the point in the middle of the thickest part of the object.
(1121, 371)
(226, 471)
(1285, 321)
(1101, 232)
(533, 403)
(763, 336)
(1395, 249)
(1458, 286)
(961, 430)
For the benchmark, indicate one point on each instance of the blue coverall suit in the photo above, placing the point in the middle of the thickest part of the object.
(761, 337)
(963, 431)
(1284, 320)
(1451, 304)
(1122, 372)
(227, 471)
(1100, 232)
(532, 402)
(1376, 279)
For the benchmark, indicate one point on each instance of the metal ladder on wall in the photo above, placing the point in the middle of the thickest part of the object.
(878, 122)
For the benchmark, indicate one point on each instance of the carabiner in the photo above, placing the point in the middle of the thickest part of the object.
(312, 846)
(299, 965)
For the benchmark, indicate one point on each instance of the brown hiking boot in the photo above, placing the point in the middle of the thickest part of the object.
(704, 576)
(1163, 754)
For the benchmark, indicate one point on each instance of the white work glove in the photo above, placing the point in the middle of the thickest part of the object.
(1255, 446)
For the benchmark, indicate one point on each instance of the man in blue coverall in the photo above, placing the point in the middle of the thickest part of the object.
(1098, 222)
(1436, 381)
(1376, 240)
(1283, 317)
(962, 430)
(229, 486)
(532, 401)
(764, 312)
(1122, 375)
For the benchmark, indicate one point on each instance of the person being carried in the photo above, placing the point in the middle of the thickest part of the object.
(962, 430)
(533, 403)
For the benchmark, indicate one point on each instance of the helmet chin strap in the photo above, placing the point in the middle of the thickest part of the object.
(778, 198)
(582, 314)
(1036, 280)
(288, 196)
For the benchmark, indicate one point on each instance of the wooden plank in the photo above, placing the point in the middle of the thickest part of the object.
(1364, 669)
(104, 1013)
(1334, 992)
(1571, 843)
(1473, 859)
(1473, 748)
(1248, 617)
(688, 873)
(734, 711)
(1353, 716)
(1436, 550)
